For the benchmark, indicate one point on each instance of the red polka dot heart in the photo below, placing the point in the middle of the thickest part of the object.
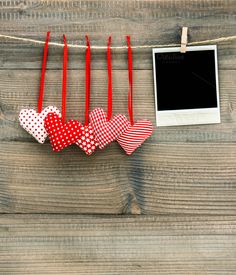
(61, 135)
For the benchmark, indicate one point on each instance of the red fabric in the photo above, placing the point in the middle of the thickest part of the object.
(130, 70)
(64, 79)
(32, 121)
(87, 84)
(61, 135)
(87, 141)
(41, 89)
(109, 73)
(107, 131)
(137, 132)
(135, 135)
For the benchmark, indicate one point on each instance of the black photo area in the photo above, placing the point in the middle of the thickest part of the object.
(186, 80)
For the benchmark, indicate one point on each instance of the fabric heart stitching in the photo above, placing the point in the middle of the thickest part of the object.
(135, 135)
(61, 135)
(33, 122)
(87, 140)
(107, 131)
(137, 132)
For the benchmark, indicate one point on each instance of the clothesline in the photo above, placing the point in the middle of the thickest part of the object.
(34, 41)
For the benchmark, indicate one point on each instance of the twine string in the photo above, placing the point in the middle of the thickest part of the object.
(34, 41)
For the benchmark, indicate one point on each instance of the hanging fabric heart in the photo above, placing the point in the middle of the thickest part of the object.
(32, 121)
(107, 129)
(62, 134)
(137, 132)
(87, 140)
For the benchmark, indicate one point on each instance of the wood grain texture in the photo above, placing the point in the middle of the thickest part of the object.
(183, 179)
(42, 244)
(148, 22)
(109, 182)
(194, 178)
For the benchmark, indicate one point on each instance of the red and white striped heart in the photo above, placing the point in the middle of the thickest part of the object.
(87, 140)
(135, 135)
(107, 131)
(33, 122)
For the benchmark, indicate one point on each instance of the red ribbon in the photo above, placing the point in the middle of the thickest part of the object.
(41, 89)
(87, 99)
(109, 72)
(130, 93)
(65, 58)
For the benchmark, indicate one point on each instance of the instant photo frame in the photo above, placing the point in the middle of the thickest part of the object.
(186, 86)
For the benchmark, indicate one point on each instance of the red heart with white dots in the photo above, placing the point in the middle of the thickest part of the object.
(87, 140)
(107, 131)
(33, 122)
(61, 135)
(135, 135)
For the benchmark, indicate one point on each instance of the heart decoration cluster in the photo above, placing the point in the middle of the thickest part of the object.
(99, 133)
(99, 129)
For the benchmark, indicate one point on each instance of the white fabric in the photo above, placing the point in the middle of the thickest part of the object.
(33, 122)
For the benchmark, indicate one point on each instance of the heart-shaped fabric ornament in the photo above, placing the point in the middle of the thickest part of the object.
(87, 140)
(135, 135)
(106, 131)
(61, 135)
(33, 122)
(138, 132)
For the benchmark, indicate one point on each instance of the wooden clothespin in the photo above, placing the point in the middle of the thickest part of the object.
(184, 40)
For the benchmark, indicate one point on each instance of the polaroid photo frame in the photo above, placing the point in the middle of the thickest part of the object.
(186, 86)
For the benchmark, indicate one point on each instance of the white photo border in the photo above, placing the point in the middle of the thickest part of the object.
(210, 115)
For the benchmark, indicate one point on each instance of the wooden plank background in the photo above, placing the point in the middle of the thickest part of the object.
(182, 180)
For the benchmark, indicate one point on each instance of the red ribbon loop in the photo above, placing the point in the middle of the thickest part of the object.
(109, 72)
(41, 89)
(130, 93)
(87, 84)
(64, 78)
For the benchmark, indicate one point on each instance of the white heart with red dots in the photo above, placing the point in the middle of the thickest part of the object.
(87, 140)
(33, 122)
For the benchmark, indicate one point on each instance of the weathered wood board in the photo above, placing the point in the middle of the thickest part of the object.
(183, 179)
(71, 244)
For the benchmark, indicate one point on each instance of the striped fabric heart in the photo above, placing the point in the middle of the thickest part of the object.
(135, 135)
(106, 131)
